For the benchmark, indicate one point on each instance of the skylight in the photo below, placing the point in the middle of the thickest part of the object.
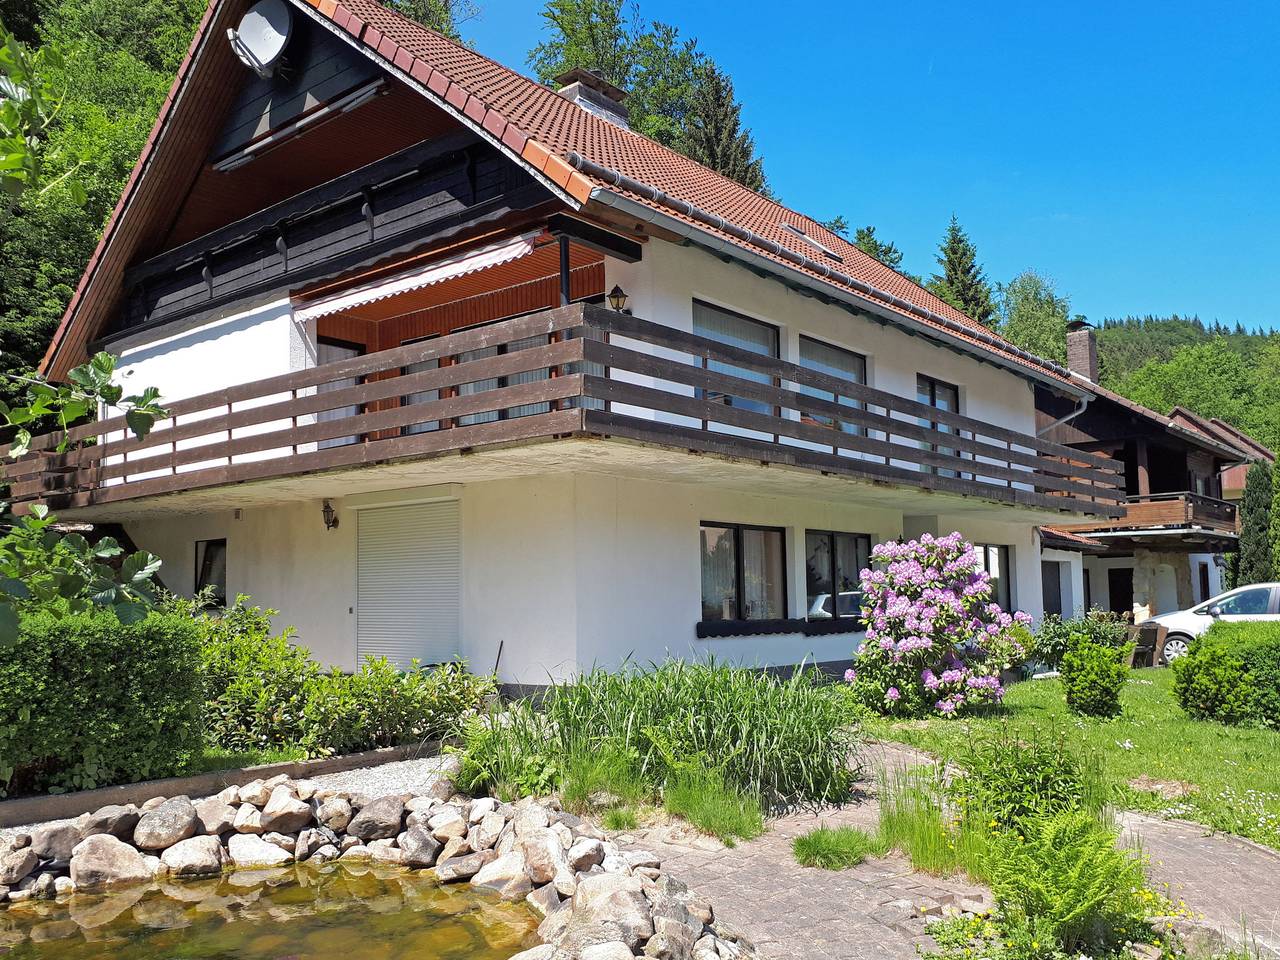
(812, 242)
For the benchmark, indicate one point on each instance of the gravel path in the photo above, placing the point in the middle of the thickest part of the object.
(402, 776)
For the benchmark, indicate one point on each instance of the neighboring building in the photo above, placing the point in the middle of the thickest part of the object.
(1231, 481)
(1165, 553)
(461, 366)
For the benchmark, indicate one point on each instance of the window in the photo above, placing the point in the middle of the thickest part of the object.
(743, 572)
(422, 396)
(823, 248)
(331, 351)
(833, 573)
(211, 569)
(735, 330)
(995, 560)
(1051, 585)
(943, 396)
(1246, 603)
(834, 362)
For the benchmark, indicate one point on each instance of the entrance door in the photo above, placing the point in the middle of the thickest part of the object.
(1051, 586)
(1120, 587)
(408, 583)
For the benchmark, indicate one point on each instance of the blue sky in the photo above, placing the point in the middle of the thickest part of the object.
(1129, 150)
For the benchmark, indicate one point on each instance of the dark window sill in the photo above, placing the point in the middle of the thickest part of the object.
(708, 629)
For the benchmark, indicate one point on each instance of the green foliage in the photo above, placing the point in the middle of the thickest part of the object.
(836, 848)
(28, 105)
(1274, 531)
(714, 134)
(620, 818)
(1065, 875)
(1009, 779)
(1055, 634)
(962, 282)
(1232, 675)
(442, 16)
(1092, 678)
(1254, 555)
(86, 701)
(915, 818)
(609, 773)
(701, 796)
(1033, 315)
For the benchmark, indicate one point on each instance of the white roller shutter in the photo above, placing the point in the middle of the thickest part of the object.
(408, 583)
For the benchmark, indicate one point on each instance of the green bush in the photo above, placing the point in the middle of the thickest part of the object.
(703, 798)
(86, 701)
(1093, 676)
(1056, 635)
(1007, 779)
(836, 848)
(1232, 675)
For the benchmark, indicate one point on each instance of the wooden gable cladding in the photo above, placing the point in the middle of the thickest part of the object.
(432, 191)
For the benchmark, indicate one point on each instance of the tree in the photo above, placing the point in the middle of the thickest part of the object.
(591, 34)
(442, 16)
(1034, 316)
(1275, 521)
(715, 136)
(962, 283)
(28, 106)
(865, 239)
(839, 226)
(1255, 523)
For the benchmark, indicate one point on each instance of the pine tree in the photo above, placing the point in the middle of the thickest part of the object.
(1255, 527)
(962, 283)
(715, 136)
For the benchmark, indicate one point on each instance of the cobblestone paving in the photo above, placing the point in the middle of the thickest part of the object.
(1232, 884)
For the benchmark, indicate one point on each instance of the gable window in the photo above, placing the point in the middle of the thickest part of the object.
(211, 569)
(833, 573)
(942, 396)
(743, 572)
(835, 362)
(735, 330)
(995, 560)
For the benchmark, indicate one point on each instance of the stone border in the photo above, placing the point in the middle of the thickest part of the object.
(65, 806)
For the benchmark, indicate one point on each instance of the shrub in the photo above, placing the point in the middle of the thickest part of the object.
(1056, 635)
(1066, 877)
(1093, 676)
(703, 798)
(836, 848)
(934, 640)
(1007, 779)
(915, 819)
(1232, 674)
(87, 701)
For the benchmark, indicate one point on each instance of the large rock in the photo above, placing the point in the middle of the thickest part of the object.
(507, 876)
(418, 847)
(284, 812)
(462, 868)
(248, 819)
(484, 834)
(585, 853)
(543, 899)
(612, 950)
(335, 813)
(104, 860)
(544, 854)
(194, 857)
(117, 820)
(378, 819)
(543, 951)
(216, 816)
(162, 827)
(55, 841)
(607, 907)
(250, 850)
(447, 824)
(256, 792)
(16, 864)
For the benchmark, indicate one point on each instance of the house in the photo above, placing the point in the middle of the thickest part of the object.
(1231, 481)
(1165, 553)
(459, 365)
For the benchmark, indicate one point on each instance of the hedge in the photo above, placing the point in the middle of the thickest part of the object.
(1232, 674)
(87, 701)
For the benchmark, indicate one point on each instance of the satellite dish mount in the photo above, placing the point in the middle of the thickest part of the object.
(262, 35)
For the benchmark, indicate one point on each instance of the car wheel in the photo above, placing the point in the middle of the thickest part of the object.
(1175, 647)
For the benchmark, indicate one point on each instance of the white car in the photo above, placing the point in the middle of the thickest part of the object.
(1258, 601)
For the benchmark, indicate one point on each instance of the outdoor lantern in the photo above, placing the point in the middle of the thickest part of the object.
(330, 516)
(617, 298)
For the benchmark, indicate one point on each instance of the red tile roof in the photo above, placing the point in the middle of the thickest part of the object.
(1057, 538)
(544, 130)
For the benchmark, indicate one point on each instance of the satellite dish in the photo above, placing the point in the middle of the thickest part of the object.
(262, 35)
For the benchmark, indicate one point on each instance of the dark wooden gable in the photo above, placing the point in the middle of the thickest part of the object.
(317, 69)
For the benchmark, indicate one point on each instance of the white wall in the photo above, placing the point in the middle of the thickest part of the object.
(1071, 570)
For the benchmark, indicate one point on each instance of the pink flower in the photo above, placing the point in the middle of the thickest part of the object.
(850, 675)
(892, 694)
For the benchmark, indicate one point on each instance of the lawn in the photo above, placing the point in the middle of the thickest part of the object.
(1233, 772)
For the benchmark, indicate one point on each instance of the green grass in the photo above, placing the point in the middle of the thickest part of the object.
(704, 799)
(219, 758)
(1235, 770)
(837, 848)
(620, 818)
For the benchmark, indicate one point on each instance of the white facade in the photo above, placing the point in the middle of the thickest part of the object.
(561, 570)
(1162, 582)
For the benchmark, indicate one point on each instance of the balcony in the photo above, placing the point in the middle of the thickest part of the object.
(1176, 522)
(554, 385)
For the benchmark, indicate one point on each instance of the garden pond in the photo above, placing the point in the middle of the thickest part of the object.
(300, 912)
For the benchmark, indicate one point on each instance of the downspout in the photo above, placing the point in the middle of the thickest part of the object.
(631, 185)
(1081, 406)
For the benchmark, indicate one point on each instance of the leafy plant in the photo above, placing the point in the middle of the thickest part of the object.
(702, 797)
(836, 848)
(1056, 635)
(1092, 677)
(1232, 675)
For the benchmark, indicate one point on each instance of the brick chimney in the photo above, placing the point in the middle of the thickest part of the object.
(1082, 349)
(589, 90)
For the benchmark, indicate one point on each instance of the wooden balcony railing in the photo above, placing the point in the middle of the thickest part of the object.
(1170, 511)
(580, 370)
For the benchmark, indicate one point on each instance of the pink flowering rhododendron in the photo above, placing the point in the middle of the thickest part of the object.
(935, 641)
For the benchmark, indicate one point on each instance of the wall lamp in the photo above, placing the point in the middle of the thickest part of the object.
(617, 298)
(330, 516)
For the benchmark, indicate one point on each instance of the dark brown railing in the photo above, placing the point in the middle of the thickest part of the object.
(580, 370)
(1172, 511)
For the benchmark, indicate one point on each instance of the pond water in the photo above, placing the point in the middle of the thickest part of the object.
(369, 912)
